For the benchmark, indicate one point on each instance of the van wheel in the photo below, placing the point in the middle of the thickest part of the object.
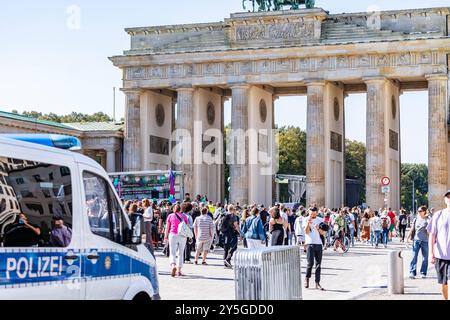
(142, 296)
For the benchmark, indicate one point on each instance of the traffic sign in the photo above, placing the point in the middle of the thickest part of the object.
(385, 181)
(385, 189)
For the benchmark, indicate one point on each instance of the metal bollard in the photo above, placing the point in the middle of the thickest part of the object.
(396, 281)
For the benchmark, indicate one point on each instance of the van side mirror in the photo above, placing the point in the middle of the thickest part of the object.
(137, 230)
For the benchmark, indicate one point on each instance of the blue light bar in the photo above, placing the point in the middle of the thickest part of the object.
(49, 140)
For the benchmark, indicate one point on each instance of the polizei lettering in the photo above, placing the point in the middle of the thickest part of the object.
(33, 267)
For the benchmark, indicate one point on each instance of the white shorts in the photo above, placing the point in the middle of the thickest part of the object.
(204, 246)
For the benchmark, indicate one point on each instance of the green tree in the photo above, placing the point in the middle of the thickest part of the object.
(292, 155)
(355, 164)
(292, 149)
(72, 117)
(418, 173)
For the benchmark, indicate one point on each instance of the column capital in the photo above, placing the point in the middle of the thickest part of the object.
(111, 148)
(132, 90)
(239, 85)
(315, 82)
(436, 76)
(376, 79)
(185, 89)
(224, 99)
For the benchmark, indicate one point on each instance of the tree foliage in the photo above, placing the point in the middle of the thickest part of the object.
(292, 146)
(355, 164)
(419, 174)
(69, 118)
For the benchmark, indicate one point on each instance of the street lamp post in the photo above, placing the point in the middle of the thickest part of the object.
(413, 196)
(414, 201)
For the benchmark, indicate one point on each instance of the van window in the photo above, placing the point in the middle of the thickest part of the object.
(100, 202)
(35, 204)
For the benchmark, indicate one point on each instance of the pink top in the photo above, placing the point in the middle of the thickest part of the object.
(174, 222)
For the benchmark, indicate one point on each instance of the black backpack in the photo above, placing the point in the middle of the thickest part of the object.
(224, 223)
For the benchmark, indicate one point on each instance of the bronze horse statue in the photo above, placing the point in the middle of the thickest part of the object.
(295, 4)
(263, 5)
(266, 5)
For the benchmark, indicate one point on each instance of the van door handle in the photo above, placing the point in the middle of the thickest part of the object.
(71, 258)
(93, 257)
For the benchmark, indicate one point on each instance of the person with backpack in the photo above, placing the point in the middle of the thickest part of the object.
(229, 228)
(176, 234)
(402, 225)
(218, 226)
(253, 230)
(419, 236)
(385, 228)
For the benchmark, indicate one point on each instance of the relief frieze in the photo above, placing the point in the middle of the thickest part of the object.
(280, 31)
(281, 65)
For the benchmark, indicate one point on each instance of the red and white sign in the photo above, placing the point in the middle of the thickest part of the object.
(385, 181)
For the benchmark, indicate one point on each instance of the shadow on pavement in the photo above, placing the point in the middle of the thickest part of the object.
(189, 277)
(337, 291)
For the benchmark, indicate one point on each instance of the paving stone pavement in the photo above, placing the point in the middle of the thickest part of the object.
(360, 274)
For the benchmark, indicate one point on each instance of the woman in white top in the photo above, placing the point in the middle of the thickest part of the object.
(148, 218)
(299, 229)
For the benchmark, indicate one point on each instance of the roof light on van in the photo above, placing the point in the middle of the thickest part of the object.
(50, 140)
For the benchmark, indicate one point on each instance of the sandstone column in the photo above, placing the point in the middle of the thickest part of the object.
(222, 182)
(334, 144)
(132, 139)
(239, 170)
(437, 139)
(376, 142)
(315, 145)
(111, 159)
(185, 134)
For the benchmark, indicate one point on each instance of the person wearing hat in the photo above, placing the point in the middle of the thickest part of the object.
(61, 235)
(439, 244)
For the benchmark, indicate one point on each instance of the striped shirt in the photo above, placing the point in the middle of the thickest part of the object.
(205, 228)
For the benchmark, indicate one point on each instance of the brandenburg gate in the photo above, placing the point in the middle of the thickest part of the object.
(178, 76)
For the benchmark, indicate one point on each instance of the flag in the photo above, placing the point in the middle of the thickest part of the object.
(172, 186)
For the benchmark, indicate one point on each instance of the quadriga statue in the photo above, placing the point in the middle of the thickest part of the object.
(267, 5)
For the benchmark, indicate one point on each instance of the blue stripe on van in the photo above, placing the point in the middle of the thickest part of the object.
(22, 268)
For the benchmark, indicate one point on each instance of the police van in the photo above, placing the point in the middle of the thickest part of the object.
(63, 232)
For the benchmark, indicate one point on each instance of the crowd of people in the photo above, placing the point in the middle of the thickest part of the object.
(188, 230)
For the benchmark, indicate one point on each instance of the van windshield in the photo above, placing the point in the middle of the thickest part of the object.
(35, 204)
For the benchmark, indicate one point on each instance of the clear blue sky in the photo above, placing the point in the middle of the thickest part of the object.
(49, 67)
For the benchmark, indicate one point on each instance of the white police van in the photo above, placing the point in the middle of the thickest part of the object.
(63, 232)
